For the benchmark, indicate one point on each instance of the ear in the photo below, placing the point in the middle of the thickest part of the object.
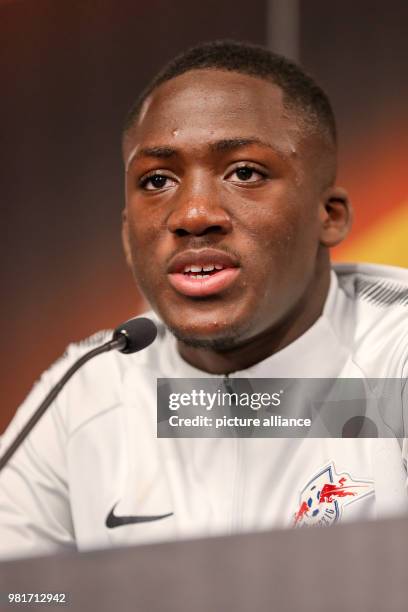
(336, 215)
(125, 238)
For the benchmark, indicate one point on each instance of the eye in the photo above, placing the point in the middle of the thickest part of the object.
(154, 182)
(247, 174)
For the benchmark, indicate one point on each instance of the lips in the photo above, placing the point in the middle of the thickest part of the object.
(199, 273)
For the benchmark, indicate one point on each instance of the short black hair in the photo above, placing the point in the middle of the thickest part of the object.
(300, 91)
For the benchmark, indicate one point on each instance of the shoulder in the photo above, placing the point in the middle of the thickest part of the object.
(98, 387)
(382, 286)
(378, 299)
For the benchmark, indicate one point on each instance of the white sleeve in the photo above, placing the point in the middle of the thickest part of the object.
(35, 513)
(404, 412)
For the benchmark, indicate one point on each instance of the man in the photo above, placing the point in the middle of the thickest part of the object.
(231, 209)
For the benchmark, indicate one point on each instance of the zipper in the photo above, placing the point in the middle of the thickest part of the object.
(238, 485)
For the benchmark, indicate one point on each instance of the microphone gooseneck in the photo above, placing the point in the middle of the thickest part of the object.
(130, 337)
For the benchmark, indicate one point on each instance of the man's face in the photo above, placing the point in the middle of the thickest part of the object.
(220, 175)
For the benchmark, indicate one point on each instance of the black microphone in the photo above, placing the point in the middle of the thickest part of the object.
(130, 337)
(134, 335)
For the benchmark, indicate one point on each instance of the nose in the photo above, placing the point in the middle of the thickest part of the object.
(199, 214)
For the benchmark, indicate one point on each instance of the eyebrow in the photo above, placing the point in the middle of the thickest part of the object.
(225, 144)
(229, 144)
(160, 152)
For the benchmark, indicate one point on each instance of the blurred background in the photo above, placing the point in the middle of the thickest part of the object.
(70, 69)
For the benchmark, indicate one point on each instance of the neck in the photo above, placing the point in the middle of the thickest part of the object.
(300, 318)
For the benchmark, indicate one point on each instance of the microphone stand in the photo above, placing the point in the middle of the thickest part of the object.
(118, 342)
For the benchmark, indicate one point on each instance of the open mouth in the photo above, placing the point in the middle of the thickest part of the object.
(203, 272)
(200, 272)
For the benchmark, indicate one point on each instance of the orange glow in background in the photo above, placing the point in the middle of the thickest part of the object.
(376, 177)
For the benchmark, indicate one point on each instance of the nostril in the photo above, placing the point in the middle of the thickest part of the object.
(212, 229)
(181, 232)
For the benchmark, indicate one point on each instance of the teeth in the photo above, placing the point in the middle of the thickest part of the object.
(206, 268)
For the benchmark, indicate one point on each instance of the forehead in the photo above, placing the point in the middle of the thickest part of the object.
(207, 105)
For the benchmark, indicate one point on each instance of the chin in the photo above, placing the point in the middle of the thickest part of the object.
(213, 323)
(215, 344)
(220, 339)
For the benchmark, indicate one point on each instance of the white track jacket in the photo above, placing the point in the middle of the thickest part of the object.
(93, 473)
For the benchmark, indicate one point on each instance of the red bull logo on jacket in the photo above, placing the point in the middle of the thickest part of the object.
(323, 498)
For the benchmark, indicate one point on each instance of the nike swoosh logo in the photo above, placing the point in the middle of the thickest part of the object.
(116, 521)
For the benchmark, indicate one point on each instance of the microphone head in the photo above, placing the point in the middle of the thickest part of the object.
(138, 333)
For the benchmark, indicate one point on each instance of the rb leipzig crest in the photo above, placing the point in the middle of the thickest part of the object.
(322, 500)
